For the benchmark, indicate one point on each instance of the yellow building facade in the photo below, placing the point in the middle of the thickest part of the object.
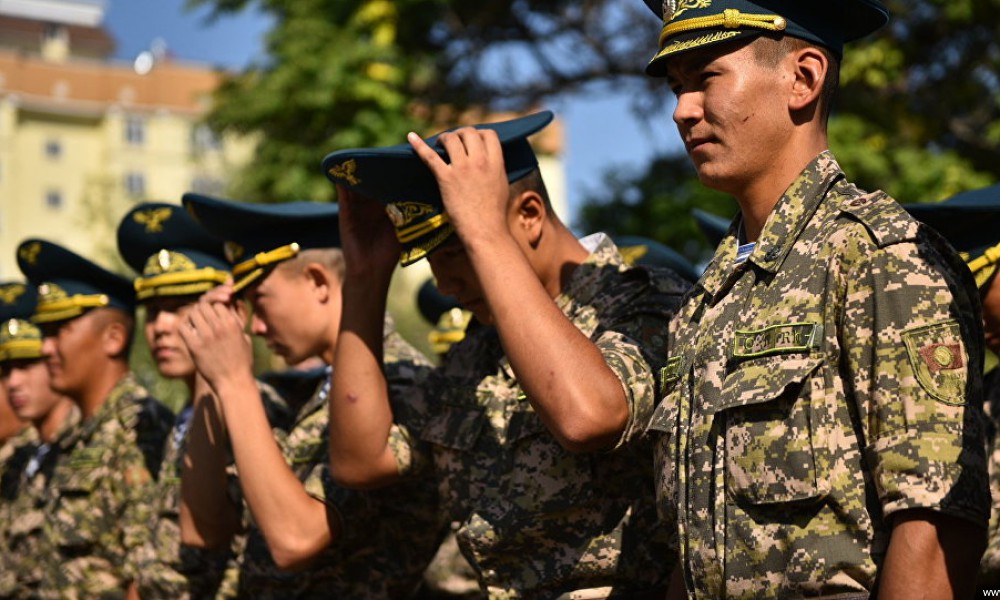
(83, 137)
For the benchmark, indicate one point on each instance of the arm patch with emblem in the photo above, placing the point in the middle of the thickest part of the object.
(939, 360)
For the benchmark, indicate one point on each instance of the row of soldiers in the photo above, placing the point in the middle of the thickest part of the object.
(803, 421)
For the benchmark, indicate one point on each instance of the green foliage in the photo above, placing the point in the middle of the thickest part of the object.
(918, 114)
(657, 204)
(336, 77)
(907, 173)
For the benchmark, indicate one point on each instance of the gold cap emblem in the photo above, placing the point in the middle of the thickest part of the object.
(10, 293)
(347, 171)
(29, 252)
(13, 327)
(395, 215)
(163, 259)
(675, 8)
(153, 218)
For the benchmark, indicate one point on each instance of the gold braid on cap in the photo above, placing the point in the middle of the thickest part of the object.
(264, 259)
(408, 234)
(67, 308)
(249, 271)
(729, 19)
(179, 284)
(983, 267)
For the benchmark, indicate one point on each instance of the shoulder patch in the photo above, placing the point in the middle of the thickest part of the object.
(939, 360)
(886, 221)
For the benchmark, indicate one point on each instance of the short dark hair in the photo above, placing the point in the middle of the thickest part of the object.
(769, 50)
(532, 182)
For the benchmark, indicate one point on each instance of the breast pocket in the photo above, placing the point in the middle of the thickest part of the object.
(454, 427)
(544, 477)
(769, 410)
(78, 523)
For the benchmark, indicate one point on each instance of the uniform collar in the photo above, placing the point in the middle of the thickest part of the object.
(85, 428)
(785, 224)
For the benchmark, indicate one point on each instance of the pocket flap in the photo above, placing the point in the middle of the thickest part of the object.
(524, 423)
(453, 427)
(763, 380)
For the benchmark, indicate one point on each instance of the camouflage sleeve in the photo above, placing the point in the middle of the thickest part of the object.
(634, 346)
(279, 415)
(145, 426)
(407, 372)
(133, 490)
(913, 345)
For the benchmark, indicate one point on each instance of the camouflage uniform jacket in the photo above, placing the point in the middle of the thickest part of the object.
(537, 520)
(827, 382)
(389, 535)
(13, 443)
(989, 575)
(20, 512)
(98, 500)
(170, 570)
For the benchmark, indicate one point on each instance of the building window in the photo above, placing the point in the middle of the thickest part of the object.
(54, 33)
(54, 199)
(135, 131)
(135, 184)
(208, 185)
(53, 149)
(203, 139)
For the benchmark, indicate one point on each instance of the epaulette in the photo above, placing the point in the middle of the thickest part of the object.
(886, 221)
(667, 281)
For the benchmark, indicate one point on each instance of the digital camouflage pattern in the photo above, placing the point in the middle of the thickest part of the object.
(98, 500)
(21, 514)
(169, 570)
(9, 446)
(389, 535)
(989, 575)
(537, 520)
(816, 389)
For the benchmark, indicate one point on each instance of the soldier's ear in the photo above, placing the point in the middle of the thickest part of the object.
(114, 338)
(528, 213)
(810, 67)
(321, 279)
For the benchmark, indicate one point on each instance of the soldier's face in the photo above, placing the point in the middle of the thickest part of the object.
(455, 276)
(163, 319)
(731, 113)
(27, 385)
(991, 315)
(73, 352)
(9, 423)
(297, 316)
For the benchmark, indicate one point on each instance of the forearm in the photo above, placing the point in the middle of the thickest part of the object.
(360, 414)
(931, 556)
(294, 524)
(208, 518)
(562, 372)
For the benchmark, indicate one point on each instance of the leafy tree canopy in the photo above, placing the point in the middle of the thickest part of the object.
(918, 114)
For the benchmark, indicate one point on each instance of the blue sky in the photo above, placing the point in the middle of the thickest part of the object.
(601, 133)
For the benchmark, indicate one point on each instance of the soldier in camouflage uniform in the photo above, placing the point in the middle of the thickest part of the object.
(178, 261)
(25, 378)
(308, 538)
(97, 499)
(969, 222)
(820, 434)
(11, 428)
(532, 423)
